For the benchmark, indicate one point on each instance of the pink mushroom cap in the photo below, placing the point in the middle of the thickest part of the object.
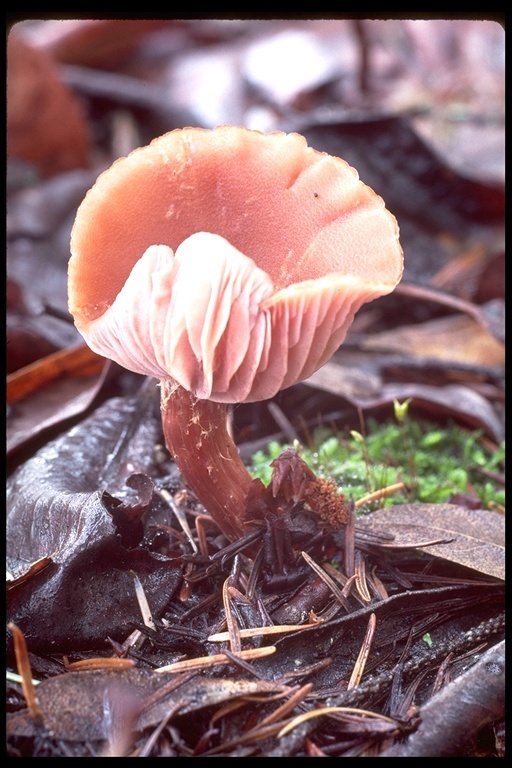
(228, 260)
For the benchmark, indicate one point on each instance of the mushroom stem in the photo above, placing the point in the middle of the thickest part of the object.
(196, 435)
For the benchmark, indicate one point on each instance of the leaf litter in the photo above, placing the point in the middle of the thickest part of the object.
(87, 509)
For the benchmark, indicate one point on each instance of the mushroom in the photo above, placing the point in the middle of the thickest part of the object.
(228, 264)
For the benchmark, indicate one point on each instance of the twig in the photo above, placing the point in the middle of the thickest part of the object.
(461, 709)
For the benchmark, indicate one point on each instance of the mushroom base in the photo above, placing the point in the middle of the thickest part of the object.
(197, 437)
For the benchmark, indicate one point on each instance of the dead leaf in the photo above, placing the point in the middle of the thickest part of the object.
(54, 506)
(51, 391)
(285, 64)
(340, 638)
(457, 338)
(454, 400)
(79, 360)
(474, 538)
(73, 704)
(102, 43)
(46, 124)
(12, 583)
(461, 271)
(91, 597)
(491, 316)
(417, 185)
(348, 379)
(491, 284)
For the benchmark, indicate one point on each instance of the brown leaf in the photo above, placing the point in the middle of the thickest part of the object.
(490, 316)
(392, 158)
(46, 125)
(341, 636)
(50, 391)
(102, 43)
(352, 377)
(54, 506)
(73, 704)
(459, 274)
(457, 338)
(454, 400)
(91, 597)
(473, 538)
(77, 361)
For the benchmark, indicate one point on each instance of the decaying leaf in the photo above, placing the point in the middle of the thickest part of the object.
(73, 704)
(453, 400)
(54, 506)
(338, 641)
(75, 509)
(474, 538)
(37, 101)
(50, 391)
(396, 162)
(457, 338)
(91, 597)
(78, 361)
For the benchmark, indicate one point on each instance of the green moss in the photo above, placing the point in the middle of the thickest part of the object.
(434, 463)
